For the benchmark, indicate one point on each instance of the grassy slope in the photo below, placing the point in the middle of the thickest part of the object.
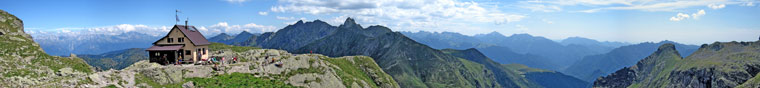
(17, 48)
(115, 59)
(350, 71)
(235, 80)
(521, 75)
(360, 68)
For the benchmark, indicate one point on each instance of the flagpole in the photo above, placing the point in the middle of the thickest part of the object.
(176, 11)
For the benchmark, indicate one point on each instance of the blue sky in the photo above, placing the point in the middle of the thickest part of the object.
(685, 21)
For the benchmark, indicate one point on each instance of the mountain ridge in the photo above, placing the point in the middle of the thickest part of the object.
(721, 64)
(594, 66)
(410, 63)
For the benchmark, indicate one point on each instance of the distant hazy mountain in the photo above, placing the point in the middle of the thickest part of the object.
(717, 65)
(528, 44)
(545, 78)
(239, 39)
(443, 40)
(117, 60)
(63, 44)
(586, 41)
(526, 49)
(594, 45)
(594, 66)
(221, 38)
(504, 55)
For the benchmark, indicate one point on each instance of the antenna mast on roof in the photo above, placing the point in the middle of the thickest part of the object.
(176, 15)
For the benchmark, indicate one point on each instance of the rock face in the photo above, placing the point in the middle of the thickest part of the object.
(718, 65)
(307, 70)
(24, 64)
(620, 79)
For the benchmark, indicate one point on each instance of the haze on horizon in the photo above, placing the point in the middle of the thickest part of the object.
(633, 21)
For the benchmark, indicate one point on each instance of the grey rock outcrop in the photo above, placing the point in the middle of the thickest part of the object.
(257, 61)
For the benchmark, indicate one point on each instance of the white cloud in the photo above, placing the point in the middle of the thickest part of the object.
(54, 34)
(431, 15)
(642, 5)
(263, 13)
(682, 16)
(679, 17)
(285, 18)
(748, 3)
(713, 6)
(698, 14)
(543, 8)
(223, 27)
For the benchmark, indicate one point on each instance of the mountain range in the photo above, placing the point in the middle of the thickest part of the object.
(238, 39)
(717, 65)
(533, 51)
(26, 65)
(63, 45)
(594, 66)
(410, 63)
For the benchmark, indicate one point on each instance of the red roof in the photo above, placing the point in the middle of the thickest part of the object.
(193, 34)
(164, 48)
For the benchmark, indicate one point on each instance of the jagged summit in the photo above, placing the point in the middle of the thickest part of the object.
(350, 23)
(299, 22)
(667, 48)
(319, 21)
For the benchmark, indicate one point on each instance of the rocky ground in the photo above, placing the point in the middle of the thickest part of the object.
(306, 70)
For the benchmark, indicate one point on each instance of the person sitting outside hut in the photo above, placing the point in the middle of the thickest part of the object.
(178, 61)
(222, 60)
(234, 59)
(165, 59)
(273, 59)
(278, 64)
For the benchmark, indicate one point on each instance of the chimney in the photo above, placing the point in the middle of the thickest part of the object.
(186, 23)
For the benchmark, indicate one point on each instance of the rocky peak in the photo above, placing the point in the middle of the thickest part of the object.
(667, 48)
(299, 22)
(319, 21)
(350, 23)
(15, 25)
